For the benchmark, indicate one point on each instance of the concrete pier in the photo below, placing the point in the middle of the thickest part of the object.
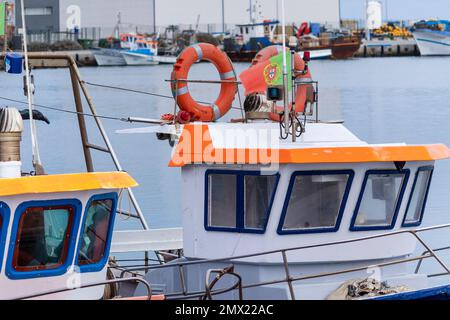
(388, 48)
(82, 57)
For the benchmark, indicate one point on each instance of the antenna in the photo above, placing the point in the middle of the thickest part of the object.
(285, 73)
(34, 141)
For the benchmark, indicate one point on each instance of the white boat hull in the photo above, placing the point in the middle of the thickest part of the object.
(321, 54)
(165, 59)
(433, 43)
(318, 54)
(105, 58)
(135, 59)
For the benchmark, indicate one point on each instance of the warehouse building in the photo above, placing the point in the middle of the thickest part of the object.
(103, 15)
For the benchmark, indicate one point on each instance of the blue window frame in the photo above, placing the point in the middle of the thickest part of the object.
(323, 186)
(48, 228)
(418, 197)
(100, 209)
(379, 200)
(4, 223)
(233, 213)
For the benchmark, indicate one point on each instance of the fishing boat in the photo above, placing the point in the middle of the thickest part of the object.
(432, 37)
(276, 204)
(244, 43)
(145, 52)
(300, 208)
(294, 208)
(109, 57)
(112, 55)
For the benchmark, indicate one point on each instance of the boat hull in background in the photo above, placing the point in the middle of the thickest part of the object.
(137, 59)
(433, 43)
(105, 57)
(165, 59)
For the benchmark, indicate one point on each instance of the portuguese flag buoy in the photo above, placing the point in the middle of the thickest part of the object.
(258, 77)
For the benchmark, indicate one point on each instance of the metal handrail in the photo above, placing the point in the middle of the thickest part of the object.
(419, 264)
(289, 279)
(251, 255)
(120, 280)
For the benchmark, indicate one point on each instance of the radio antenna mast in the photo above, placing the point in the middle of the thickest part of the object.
(29, 91)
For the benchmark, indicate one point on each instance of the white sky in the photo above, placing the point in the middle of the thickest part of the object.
(186, 11)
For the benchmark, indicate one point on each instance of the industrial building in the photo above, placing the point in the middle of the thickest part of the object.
(103, 15)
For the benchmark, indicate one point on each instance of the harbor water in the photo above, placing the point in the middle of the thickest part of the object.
(381, 100)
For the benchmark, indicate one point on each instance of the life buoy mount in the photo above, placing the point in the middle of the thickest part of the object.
(180, 89)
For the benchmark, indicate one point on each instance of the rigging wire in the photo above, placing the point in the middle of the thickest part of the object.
(105, 86)
(65, 110)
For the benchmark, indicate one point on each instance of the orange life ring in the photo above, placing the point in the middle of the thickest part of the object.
(180, 90)
(304, 93)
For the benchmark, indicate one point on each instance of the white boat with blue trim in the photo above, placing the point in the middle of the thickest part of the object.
(433, 37)
(276, 204)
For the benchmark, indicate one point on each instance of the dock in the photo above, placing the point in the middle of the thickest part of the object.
(82, 58)
(388, 48)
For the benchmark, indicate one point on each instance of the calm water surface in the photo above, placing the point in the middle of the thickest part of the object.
(381, 100)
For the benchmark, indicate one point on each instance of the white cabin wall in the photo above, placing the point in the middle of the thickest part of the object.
(200, 243)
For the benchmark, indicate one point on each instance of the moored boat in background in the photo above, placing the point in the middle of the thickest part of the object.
(433, 37)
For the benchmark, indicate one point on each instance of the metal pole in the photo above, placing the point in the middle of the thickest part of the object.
(223, 16)
(5, 36)
(34, 142)
(154, 16)
(285, 74)
(81, 121)
(107, 142)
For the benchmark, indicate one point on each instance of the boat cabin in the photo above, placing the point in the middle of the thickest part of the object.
(56, 230)
(246, 191)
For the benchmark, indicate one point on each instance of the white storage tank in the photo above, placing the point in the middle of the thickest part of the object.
(374, 17)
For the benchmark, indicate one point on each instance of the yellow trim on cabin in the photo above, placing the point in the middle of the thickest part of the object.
(65, 183)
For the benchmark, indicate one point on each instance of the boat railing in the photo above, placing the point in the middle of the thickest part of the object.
(90, 285)
(290, 278)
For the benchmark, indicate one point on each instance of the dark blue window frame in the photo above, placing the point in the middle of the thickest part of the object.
(419, 222)
(240, 205)
(406, 173)
(295, 174)
(5, 213)
(16, 275)
(95, 267)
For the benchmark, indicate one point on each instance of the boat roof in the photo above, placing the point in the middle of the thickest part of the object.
(65, 183)
(259, 143)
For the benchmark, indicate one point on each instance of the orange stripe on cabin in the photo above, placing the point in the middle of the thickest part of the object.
(66, 183)
(196, 151)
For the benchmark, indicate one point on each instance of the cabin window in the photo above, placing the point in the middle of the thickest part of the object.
(43, 237)
(315, 201)
(239, 201)
(222, 200)
(96, 232)
(257, 198)
(418, 198)
(380, 200)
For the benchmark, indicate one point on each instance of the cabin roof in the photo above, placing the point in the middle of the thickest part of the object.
(66, 183)
(259, 143)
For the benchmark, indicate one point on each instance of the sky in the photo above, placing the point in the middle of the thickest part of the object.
(186, 11)
(399, 9)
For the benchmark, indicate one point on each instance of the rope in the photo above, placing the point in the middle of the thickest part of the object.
(64, 110)
(105, 86)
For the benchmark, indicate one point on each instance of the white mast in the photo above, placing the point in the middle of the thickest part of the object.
(34, 142)
(285, 73)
